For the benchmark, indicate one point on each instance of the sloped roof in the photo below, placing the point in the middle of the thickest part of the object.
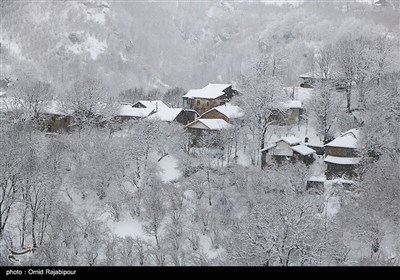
(54, 107)
(268, 148)
(231, 111)
(166, 115)
(154, 104)
(292, 104)
(317, 75)
(211, 124)
(342, 160)
(291, 140)
(127, 110)
(303, 150)
(348, 139)
(211, 91)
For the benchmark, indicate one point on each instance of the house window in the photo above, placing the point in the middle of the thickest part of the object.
(198, 102)
(348, 154)
(208, 103)
(221, 103)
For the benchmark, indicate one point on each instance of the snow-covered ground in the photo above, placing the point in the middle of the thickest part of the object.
(127, 226)
(169, 166)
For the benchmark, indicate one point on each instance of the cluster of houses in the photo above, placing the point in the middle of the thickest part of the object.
(208, 109)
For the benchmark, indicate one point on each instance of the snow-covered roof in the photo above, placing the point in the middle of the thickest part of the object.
(317, 179)
(166, 115)
(231, 111)
(303, 150)
(211, 91)
(317, 75)
(293, 104)
(153, 104)
(54, 107)
(268, 148)
(291, 140)
(127, 110)
(211, 124)
(348, 139)
(342, 160)
(193, 93)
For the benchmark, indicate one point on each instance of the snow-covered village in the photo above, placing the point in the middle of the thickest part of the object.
(206, 133)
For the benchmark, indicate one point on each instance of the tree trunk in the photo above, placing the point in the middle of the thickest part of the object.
(348, 95)
(34, 244)
(263, 154)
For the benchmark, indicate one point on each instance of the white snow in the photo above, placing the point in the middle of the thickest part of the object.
(166, 115)
(317, 179)
(97, 17)
(123, 58)
(54, 107)
(348, 139)
(332, 206)
(243, 159)
(2, 93)
(129, 111)
(91, 45)
(303, 150)
(127, 226)
(211, 91)
(231, 111)
(169, 168)
(342, 160)
(300, 93)
(291, 140)
(9, 104)
(152, 104)
(161, 83)
(211, 124)
(293, 104)
(193, 93)
(268, 148)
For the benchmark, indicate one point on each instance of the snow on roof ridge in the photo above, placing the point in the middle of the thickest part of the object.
(291, 140)
(342, 160)
(347, 139)
(303, 150)
(166, 114)
(212, 124)
(229, 110)
(210, 91)
(295, 104)
(129, 111)
(152, 104)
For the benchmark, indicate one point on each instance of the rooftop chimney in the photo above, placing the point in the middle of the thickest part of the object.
(306, 139)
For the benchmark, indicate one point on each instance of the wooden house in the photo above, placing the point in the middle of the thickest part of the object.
(128, 112)
(227, 112)
(288, 149)
(199, 126)
(341, 155)
(183, 116)
(310, 79)
(212, 95)
(154, 104)
(292, 112)
(55, 117)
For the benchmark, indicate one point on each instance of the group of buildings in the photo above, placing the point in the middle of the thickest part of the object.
(209, 109)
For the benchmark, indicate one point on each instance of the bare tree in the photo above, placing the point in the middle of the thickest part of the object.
(283, 232)
(154, 213)
(173, 97)
(325, 108)
(262, 97)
